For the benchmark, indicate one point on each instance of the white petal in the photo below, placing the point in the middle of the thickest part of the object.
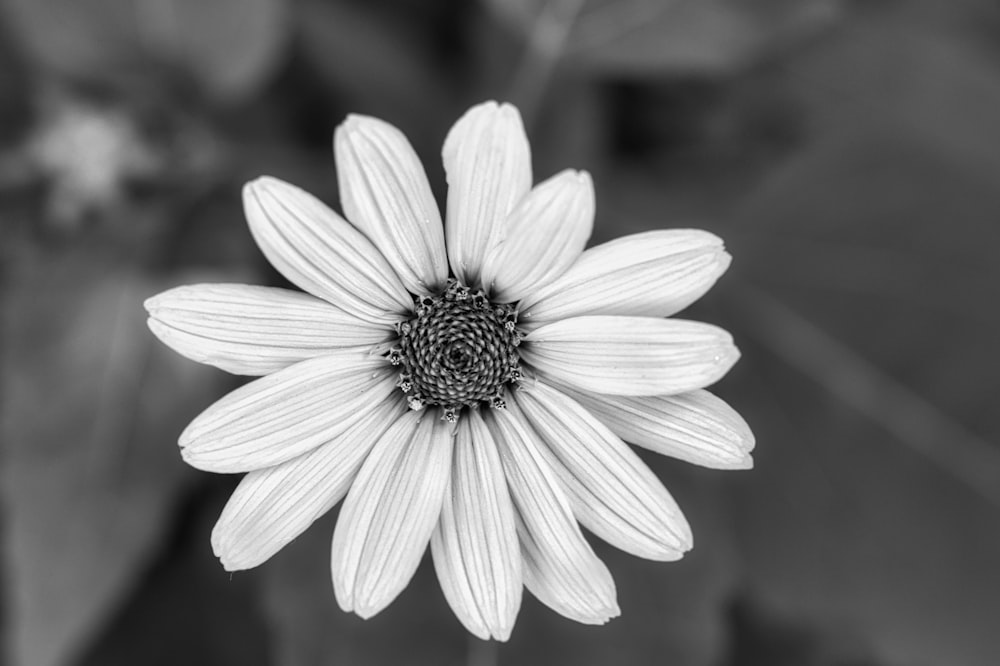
(559, 566)
(475, 545)
(320, 252)
(631, 355)
(487, 161)
(654, 274)
(385, 194)
(696, 426)
(272, 506)
(545, 234)
(285, 414)
(390, 512)
(249, 330)
(612, 492)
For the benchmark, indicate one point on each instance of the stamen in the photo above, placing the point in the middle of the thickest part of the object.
(395, 356)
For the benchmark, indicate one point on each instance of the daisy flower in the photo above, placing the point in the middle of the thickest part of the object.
(468, 385)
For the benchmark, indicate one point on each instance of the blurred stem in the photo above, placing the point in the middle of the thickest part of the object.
(482, 653)
(544, 48)
(871, 391)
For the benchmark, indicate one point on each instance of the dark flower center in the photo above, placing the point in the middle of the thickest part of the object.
(459, 350)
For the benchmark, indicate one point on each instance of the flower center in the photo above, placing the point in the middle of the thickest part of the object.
(459, 350)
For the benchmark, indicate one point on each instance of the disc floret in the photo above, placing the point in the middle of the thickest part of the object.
(459, 350)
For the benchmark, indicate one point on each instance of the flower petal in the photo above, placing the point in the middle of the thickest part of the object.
(390, 513)
(545, 234)
(631, 355)
(385, 194)
(475, 545)
(285, 414)
(612, 492)
(272, 506)
(696, 426)
(487, 161)
(250, 330)
(320, 252)
(654, 274)
(559, 566)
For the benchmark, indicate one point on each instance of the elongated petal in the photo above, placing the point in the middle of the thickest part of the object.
(654, 274)
(272, 506)
(285, 414)
(546, 233)
(475, 545)
(612, 492)
(250, 330)
(385, 194)
(696, 427)
(390, 513)
(487, 161)
(559, 566)
(631, 355)
(320, 252)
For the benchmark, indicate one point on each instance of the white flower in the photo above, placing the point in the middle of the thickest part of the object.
(476, 397)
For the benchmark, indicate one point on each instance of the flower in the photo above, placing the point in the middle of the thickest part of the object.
(476, 398)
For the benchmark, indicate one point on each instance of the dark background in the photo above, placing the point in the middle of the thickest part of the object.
(848, 152)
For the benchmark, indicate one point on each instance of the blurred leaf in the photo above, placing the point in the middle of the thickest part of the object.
(671, 610)
(90, 475)
(875, 498)
(187, 610)
(656, 37)
(888, 67)
(845, 526)
(228, 47)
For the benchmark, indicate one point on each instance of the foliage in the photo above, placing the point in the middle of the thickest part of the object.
(845, 151)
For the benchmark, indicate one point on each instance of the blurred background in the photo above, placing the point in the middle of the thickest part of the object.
(847, 151)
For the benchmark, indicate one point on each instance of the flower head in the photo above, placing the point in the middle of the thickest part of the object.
(468, 385)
